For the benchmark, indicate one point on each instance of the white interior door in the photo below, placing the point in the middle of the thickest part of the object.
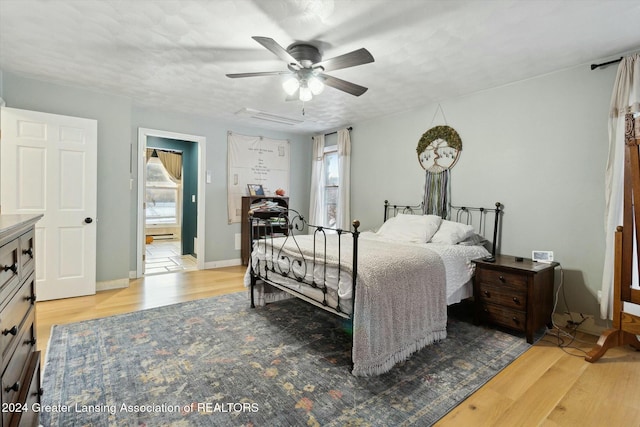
(48, 165)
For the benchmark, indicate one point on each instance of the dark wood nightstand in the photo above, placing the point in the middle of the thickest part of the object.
(514, 294)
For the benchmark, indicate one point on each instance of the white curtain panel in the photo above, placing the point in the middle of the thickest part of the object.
(625, 99)
(316, 194)
(343, 219)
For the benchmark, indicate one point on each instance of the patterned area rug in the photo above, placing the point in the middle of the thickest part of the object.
(219, 362)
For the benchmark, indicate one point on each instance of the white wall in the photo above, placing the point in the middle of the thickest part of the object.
(537, 146)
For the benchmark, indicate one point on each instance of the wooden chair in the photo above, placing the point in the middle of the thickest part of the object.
(626, 326)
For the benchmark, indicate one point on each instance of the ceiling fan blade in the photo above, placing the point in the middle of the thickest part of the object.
(351, 59)
(277, 50)
(343, 85)
(260, 74)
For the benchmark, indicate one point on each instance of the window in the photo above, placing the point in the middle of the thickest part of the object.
(331, 181)
(162, 198)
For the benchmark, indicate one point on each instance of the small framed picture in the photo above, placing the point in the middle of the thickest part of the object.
(255, 190)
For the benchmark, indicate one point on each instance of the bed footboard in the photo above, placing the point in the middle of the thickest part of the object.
(304, 257)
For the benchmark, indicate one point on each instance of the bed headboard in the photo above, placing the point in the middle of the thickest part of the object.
(485, 221)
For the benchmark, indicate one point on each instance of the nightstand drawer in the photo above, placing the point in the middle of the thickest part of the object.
(495, 277)
(514, 319)
(507, 295)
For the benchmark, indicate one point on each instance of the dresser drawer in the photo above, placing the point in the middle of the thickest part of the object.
(513, 319)
(13, 378)
(27, 253)
(507, 295)
(12, 316)
(9, 269)
(494, 277)
(30, 395)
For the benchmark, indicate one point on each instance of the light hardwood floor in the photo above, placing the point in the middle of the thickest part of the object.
(546, 386)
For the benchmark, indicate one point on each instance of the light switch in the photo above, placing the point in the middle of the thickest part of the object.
(193, 198)
(208, 179)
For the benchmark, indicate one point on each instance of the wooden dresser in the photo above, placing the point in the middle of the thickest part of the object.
(18, 355)
(514, 294)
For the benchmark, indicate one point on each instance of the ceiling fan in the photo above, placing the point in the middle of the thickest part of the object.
(307, 69)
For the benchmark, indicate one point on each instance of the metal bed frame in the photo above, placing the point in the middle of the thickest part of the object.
(296, 269)
(294, 222)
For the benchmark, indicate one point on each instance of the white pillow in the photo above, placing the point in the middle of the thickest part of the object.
(433, 224)
(410, 228)
(452, 233)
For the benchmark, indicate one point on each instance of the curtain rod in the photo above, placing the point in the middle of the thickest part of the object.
(168, 150)
(604, 64)
(332, 133)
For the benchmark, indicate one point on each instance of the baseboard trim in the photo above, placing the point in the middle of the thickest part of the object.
(112, 284)
(207, 265)
(222, 263)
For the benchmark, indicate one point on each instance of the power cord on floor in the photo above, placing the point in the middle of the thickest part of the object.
(565, 339)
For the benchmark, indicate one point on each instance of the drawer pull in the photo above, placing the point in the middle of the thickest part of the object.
(13, 268)
(31, 341)
(516, 300)
(28, 252)
(31, 298)
(14, 387)
(12, 331)
(487, 294)
(515, 320)
(502, 279)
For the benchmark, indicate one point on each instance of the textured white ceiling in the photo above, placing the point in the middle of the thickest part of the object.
(174, 54)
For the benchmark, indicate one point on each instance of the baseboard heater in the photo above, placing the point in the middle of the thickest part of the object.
(165, 236)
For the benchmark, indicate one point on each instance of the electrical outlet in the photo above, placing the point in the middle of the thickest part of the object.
(238, 237)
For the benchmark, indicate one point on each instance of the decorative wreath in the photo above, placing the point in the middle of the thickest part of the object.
(447, 133)
(441, 158)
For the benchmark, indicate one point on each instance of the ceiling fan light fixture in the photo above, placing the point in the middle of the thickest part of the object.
(315, 85)
(291, 85)
(307, 66)
(305, 93)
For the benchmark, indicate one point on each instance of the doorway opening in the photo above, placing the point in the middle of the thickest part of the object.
(167, 212)
(170, 202)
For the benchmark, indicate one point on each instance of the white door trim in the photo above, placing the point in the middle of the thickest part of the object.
(201, 141)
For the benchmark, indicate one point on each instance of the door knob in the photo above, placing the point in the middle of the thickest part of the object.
(88, 220)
